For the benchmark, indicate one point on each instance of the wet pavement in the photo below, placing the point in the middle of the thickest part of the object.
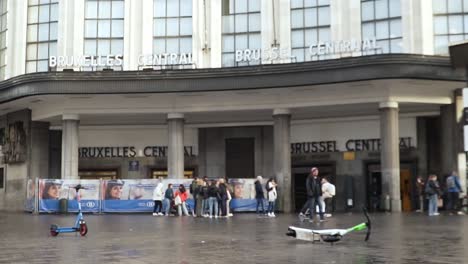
(244, 238)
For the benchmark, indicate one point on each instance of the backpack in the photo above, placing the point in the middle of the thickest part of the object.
(451, 182)
(428, 189)
(266, 187)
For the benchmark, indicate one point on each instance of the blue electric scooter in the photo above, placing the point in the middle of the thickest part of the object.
(80, 224)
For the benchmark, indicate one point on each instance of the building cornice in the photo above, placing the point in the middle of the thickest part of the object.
(353, 69)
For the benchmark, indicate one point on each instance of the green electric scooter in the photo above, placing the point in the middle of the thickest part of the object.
(328, 235)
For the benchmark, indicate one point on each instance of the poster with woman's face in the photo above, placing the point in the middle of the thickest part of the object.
(243, 188)
(49, 189)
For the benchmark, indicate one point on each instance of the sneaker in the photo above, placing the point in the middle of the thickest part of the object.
(436, 214)
(211, 216)
(301, 214)
(155, 214)
(230, 214)
(460, 213)
(269, 214)
(216, 216)
(160, 214)
(328, 215)
(273, 215)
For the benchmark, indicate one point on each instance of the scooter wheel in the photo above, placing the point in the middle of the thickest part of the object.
(83, 229)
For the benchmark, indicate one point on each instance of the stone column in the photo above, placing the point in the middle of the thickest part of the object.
(453, 157)
(459, 137)
(390, 153)
(175, 157)
(70, 133)
(282, 157)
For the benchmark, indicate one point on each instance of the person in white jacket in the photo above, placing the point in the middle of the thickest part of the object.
(158, 196)
(328, 191)
(272, 196)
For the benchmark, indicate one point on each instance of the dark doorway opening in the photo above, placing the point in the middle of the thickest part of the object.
(240, 158)
(375, 194)
(299, 176)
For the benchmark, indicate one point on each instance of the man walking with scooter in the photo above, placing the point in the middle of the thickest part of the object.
(314, 191)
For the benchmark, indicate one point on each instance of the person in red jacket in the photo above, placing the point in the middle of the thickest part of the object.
(181, 203)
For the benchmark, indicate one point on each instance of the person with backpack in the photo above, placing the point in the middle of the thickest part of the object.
(432, 191)
(453, 192)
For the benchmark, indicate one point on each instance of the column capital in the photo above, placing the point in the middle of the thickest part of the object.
(281, 111)
(175, 116)
(389, 104)
(70, 117)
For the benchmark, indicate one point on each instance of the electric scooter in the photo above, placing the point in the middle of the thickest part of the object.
(328, 235)
(80, 225)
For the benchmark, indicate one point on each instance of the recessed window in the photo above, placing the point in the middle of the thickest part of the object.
(172, 31)
(104, 29)
(241, 28)
(450, 23)
(310, 24)
(41, 34)
(381, 20)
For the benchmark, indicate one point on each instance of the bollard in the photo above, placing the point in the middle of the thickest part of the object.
(63, 206)
(387, 206)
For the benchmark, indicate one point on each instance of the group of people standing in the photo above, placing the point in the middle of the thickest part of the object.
(211, 199)
(433, 192)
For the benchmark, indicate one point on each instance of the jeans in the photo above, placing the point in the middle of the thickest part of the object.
(200, 205)
(313, 201)
(182, 207)
(260, 202)
(213, 202)
(206, 206)
(452, 201)
(432, 204)
(271, 206)
(157, 206)
(167, 206)
(222, 207)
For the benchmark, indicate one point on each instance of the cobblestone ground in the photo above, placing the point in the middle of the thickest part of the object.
(244, 238)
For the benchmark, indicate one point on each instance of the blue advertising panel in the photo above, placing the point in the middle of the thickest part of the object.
(51, 191)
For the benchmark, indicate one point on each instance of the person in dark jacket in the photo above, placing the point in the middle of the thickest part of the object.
(222, 188)
(259, 195)
(168, 198)
(213, 195)
(314, 191)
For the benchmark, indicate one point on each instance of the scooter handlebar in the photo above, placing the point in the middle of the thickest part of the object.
(368, 224)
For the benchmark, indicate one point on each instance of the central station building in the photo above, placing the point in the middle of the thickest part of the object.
(363, 90)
